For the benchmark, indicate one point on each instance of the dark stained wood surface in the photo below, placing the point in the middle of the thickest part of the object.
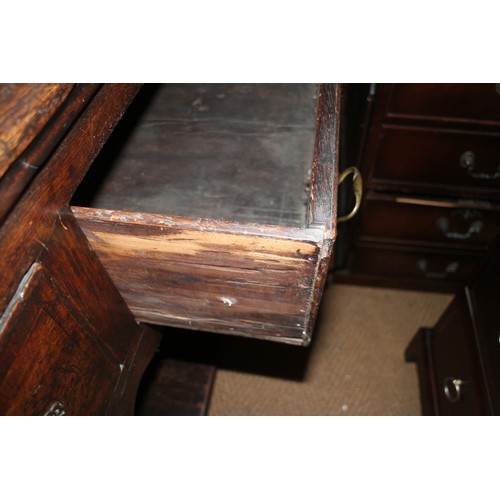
(411, 266)
(419, 351)
(32, 159)
(24, 110)
(236, 152)
(462, 102)
(66, 335)
(419, 196)
(428, 161)
(173, 387)
(456, 224)
(34, 218)
(210, 275)
(322, 204)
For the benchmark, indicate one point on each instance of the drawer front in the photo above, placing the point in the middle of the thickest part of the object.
(457, 375)
(419, 266)
(425, 160)
(48, 362)
(475, 102)
(428, 221)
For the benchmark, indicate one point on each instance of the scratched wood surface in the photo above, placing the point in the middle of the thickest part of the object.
(322, 204)
(24, 110)
(237, 152)
(35, 216)
(249, 277)
(209, 275)
(65, 332)
(29, 163)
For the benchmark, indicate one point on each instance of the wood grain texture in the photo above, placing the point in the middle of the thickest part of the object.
(189, 154)
(236, 152)
(35, 216)
(70, 337)
(323, 198)
(24, 110)
(322, 207)
(18, 176)
(209, 275)
(421, 160)
(65, 332)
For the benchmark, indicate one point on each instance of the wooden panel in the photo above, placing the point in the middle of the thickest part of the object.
(24, 110)
(322, 208)
(423, 160)
(238, 152)
(50, 358)
(32, 159)
(446, 101)
(36, 215)
(67, 335)
(426, 221)
(209, 275)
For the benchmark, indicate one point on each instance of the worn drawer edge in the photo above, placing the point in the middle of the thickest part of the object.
(240, 279)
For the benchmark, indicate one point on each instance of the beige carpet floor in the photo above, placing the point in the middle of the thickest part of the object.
(354, 366)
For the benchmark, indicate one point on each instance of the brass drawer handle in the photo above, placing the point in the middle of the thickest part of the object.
(468, 161)
(452, 388)
(451, 268)
(357, 186)
(475, 228)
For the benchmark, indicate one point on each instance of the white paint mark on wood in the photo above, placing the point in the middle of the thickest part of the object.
(229, 301)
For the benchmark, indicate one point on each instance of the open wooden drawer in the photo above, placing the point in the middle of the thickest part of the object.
(213, 207)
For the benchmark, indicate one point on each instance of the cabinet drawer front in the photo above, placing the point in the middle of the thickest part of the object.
(457, 375)
(48, 360)
(424, 160)
(427, 221)
(477, 102)
(418, 266)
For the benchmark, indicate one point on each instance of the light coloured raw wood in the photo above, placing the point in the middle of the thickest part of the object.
(250, 279)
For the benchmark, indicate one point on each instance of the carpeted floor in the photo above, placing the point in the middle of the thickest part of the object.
(354, 366)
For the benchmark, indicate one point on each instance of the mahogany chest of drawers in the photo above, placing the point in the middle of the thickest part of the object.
(430, 158)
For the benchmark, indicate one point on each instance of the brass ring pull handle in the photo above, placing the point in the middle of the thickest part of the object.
(468, 161)
(453, 389)
(357, 186)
